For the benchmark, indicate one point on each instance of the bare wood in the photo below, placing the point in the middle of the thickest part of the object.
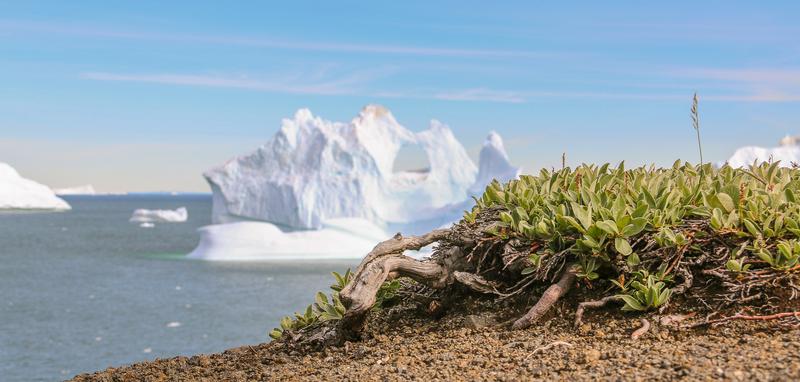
(548, 299)
(642, 330)
(594, 305)
(399, 243)
(385, 261)
(548, 347)
(739, 316)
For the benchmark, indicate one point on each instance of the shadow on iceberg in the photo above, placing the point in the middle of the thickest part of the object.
(321, 189)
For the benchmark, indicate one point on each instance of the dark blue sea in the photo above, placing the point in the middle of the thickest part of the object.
(84, 290)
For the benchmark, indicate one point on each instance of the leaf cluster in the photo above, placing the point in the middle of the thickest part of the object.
(626, 220)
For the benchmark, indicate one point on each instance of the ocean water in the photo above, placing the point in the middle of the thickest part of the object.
(84, 290)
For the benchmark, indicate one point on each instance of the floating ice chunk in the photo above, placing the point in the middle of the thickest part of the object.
(147, 225)
(147, 350)
(18, 193)
(87, 189)
(159, 216)
(173, 324)
(338, 239)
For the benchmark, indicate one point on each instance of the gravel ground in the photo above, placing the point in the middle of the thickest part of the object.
(400, 345)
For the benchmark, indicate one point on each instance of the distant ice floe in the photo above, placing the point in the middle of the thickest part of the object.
(321, 189)
(159, 216)
(147, 225)
(87, 189)
(18, 193)
(787, 152)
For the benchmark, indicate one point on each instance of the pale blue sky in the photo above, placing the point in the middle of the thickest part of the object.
(144, 96)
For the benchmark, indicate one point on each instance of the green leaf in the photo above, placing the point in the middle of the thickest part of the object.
(751, 227)
(637, 225)
(725, 201)
(321, 299)
(583, 215)
(608, 226)
(276, 334)
(633, 260)
(631, 303)
(622, 246)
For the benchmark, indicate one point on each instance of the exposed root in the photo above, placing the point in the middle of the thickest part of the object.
(642, 330)
(594, 305)
(739, 316)
(549, 346)
(476, 283)
(386, 260)
(550, 296)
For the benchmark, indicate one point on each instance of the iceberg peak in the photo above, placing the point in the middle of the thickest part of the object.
(494, 164)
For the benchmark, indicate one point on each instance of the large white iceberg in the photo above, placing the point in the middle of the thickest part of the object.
(86, 189)
(159, 216)
(18, 193)
(313, 170)
(788, 152)
(313, 173)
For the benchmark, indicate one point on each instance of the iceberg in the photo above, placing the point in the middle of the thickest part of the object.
(787, 152)
(159, 216)
(87, 189)
(18, 193)
(296, 189)
(313, 170)
(250, 240)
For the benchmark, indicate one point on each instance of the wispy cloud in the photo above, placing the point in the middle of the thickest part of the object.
(317, 46)
(357, 85)
(751, 84)
(481, 94)
(757, 75)
(340, 86)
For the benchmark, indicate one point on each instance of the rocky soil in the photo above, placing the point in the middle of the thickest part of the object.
(401, 344)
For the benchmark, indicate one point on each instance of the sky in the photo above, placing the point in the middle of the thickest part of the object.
(146, 95)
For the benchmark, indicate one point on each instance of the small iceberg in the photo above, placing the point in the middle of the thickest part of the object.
(87, 189)
(147, 225)
(159, 216)
(18, 193)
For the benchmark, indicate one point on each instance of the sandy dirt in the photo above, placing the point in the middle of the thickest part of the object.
(403, 345)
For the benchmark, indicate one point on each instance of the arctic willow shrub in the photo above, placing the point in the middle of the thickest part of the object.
(331, 309)
(634, 221)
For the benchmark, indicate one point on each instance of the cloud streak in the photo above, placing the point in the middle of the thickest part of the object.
(315, 46)
(756, 84)
(336, 87)
(355, 85)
